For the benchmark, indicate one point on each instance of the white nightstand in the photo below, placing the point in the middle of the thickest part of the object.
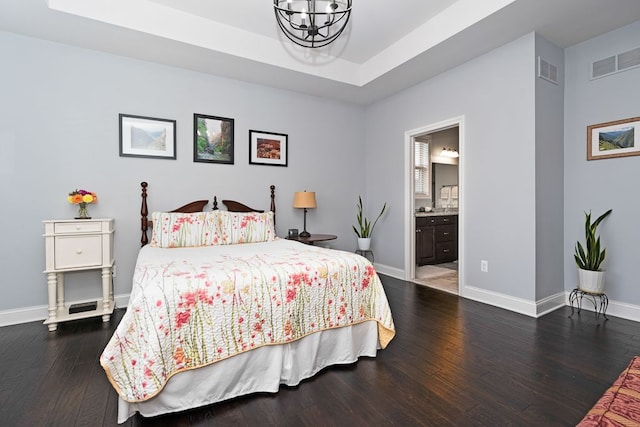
(75, 245)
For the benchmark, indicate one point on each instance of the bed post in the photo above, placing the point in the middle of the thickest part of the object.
(273, 203)
(144, 212)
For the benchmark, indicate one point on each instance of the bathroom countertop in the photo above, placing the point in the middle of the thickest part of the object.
(438, 213)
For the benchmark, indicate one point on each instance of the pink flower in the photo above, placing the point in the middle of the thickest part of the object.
(182, 318)
(291, 294)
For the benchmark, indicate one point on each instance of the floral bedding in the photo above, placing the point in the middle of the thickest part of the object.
(190, 307)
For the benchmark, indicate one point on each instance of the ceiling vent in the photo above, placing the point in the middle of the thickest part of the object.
(616, 63)
(547, 71)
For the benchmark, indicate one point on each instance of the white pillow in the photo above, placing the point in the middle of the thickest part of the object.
(180, 230)
(246, 227)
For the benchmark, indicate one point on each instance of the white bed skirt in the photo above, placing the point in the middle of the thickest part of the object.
(259, 370)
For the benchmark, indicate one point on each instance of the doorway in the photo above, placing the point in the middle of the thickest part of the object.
(429, 257)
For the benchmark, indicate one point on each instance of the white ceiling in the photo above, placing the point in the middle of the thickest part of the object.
(388, 46)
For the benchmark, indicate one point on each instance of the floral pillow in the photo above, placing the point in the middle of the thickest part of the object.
(181, 230)
(246, 227)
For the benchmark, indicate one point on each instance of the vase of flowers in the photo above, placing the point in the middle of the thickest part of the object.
(82, 198)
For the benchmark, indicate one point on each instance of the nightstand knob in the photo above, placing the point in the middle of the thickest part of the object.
(78, 251)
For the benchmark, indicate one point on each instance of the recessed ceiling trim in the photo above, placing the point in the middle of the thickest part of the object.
(187, 28)
(456, 18)
(175, 24)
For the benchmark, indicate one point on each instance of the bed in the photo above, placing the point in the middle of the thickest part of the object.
(220, 307)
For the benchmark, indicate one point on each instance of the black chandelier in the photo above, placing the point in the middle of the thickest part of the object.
(312, 23)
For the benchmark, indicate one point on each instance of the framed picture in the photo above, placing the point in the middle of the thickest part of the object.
(212, 139)
(268, 148)
(613, 139)
(147, 137)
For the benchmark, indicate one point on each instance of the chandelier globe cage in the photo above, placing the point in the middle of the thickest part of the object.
(312, 23)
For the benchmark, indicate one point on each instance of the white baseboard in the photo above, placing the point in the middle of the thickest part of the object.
(518, 305)
(389, 271)
(40, 312)
(495, 299)
(615, 308)
(529, 308)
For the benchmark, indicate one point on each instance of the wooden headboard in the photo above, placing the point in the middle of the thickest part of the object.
(197, 206)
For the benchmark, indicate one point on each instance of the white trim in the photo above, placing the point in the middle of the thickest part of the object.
(615, 308)
(40, 312)
(519, 305)
(507, 302)
(409, 205)
(389, 271)
(550, 303)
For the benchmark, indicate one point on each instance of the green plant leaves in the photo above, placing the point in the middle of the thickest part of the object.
(592, 257)
(365, 227)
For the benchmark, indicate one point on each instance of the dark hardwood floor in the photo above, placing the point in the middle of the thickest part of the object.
(453, 362)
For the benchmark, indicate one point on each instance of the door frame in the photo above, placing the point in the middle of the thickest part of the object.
(410, 218)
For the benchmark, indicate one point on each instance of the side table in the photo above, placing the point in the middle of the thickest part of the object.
(600, 302)
(313, 238)
(77, 245)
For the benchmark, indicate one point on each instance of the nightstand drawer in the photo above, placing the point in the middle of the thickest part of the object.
(77, 227)
(77, 251)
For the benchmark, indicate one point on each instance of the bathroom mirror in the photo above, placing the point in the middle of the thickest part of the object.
(442, 175)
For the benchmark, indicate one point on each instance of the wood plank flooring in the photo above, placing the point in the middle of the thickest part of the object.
(453, 362)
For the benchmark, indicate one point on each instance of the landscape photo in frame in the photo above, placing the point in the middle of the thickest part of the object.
(268, 148)
(613, 139)
(212, 139)
(147, 137)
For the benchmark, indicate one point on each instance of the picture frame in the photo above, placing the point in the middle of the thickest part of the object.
(150, 137)
(213, 139)
(268, 148)
(613, 139)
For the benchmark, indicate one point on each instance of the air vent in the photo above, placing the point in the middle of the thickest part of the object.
(629, 59)
(547, 71)
(616, 63)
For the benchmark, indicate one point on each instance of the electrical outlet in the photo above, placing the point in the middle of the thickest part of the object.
(484, 266)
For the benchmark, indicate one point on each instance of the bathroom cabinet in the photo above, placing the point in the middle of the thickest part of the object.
(436, 239)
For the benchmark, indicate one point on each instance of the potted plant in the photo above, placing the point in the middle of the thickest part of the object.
(365, 227)
(589, 258)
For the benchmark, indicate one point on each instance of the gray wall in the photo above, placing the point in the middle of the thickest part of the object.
(598, 185)
(495, 94)
(59, 131)
(549, 174)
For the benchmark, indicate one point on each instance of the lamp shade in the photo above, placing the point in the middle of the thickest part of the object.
(304, 200)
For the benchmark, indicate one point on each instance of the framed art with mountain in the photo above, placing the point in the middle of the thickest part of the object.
(613, 139)
(213, 139)
(147, 137)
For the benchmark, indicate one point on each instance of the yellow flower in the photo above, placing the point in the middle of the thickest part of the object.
(82, 197)
(228, 287)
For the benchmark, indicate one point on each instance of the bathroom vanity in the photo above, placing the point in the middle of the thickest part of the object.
(436, 237)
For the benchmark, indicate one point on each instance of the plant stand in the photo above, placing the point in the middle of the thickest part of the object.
(599, 300)
(365, 253)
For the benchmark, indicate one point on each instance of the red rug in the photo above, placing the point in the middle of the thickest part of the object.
(620, 404)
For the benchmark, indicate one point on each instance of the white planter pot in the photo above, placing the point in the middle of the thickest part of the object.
(364, 243)
(591, 281)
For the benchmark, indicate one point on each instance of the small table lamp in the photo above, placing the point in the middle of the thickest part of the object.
(304, 200)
